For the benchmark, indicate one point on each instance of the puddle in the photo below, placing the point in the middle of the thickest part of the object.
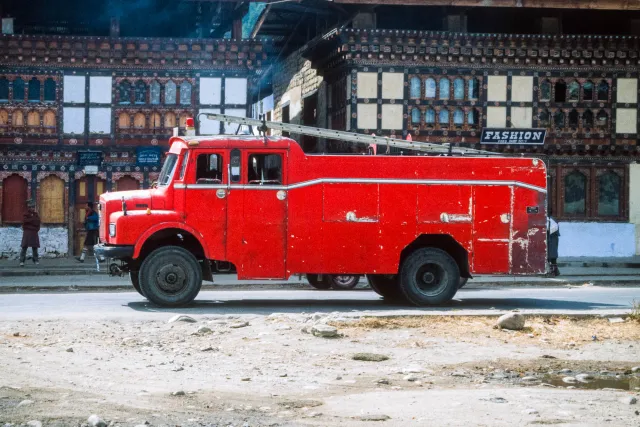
(599, 382)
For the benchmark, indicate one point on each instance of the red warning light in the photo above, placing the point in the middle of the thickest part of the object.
(190, 123)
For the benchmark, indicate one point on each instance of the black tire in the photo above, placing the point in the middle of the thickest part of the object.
(387, 286)
(315, 281)
(463, 281)
(170, 277)
(343, 282)
(429, 276)
(135, 281)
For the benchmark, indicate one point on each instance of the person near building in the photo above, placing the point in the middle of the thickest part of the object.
(91, 225)
(553, 233)
(30, 229)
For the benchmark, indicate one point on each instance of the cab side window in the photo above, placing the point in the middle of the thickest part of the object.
(209, 169)
(264, 169)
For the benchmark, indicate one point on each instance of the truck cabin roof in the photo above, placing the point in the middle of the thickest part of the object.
(233, 141)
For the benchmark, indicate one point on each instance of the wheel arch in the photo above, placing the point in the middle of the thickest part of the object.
(444, 242)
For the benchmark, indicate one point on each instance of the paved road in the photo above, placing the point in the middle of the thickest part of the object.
(130, 305)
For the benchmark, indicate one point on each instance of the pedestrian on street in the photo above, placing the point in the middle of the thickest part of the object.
(91, 225)
(30, 229)
(553, 238)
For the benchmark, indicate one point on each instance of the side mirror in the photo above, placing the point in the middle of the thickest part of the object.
(154, 184)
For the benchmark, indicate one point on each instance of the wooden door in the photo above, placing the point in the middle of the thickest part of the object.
(14, 199)
(88, 189)
(51, 200)
(126, 183)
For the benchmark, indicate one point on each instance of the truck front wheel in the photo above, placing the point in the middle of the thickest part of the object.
(170, 277)
(429, 276)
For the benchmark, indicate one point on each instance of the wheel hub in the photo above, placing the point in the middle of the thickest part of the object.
(343, 280)
(171, 278)
(430, 278)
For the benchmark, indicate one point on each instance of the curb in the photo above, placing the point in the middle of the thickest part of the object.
(578, 264)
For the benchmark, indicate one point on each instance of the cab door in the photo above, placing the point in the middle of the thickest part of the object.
(206, 199)
(264, 228)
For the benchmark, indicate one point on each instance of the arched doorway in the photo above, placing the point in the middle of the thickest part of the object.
(14, 199)
(87, 189)
(126, 183)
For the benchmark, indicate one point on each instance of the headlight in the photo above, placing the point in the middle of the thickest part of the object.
(112, 230)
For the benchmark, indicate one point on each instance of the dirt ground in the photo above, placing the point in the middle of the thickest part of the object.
(271, 371)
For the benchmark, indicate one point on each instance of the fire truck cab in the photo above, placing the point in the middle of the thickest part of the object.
(413, 224)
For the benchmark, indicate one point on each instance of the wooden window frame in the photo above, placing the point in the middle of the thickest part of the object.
(556, 188)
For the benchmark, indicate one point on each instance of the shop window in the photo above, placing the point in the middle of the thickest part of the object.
(444, 88)
(574, 119)
(414, 88)
(560, 93)
(473, 118)
(124, 92)
(140, 92)
(4, 120)
(264, 169)
(574, 91)
(185, 93)
(609, 189)
(49, 120)
(124, 121)
(458, 89)
(170, 93)
(18, 90)
(430, 88)
(4, 89)
(33, 119)
(458, 118)
(49, 90)
(443, 118)
(587, 119)
(558, 119)
(169, 120)
(575, 194)
(51, 200)
(139, 121)
(603, 91)
(430, 117)
(14, 189)
(17, 119)
(602, 120)
(587, 91)
(544, 118)
(474, 89)
(545, 91)
(154, 93)
(415, 116)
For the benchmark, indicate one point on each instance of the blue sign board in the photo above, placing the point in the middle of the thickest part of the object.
(148, 156)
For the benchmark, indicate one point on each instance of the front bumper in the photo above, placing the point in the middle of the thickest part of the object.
(110, 251)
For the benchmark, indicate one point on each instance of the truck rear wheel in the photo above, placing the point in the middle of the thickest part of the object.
(342, 282)
(315, 281)
(135, 281)
(386, 285)
(170, 276)
(463, 281)
(429, 276)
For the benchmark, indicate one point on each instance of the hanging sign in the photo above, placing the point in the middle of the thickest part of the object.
(513, 136)
(89, 158)
(148, 156)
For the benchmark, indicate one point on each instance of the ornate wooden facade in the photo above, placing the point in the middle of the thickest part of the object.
(63, 96)
(445, 87)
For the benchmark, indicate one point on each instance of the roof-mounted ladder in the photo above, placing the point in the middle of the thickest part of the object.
(427, 147)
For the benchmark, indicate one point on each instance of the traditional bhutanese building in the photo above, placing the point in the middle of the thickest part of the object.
(384, 73)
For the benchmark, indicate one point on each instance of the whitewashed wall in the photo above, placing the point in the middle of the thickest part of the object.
(54, 242)
(594, 239)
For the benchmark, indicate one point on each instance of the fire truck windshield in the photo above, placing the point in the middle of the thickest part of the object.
(167, 169)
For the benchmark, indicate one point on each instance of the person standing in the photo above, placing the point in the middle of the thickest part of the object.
(30, 229)
(553, 233)
(91, 225)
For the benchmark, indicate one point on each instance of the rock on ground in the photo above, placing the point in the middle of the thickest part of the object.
(325, 331)
(34, 423)
(370, 357)
(511, 321)
(96, 421)
(629, 400)
(374, 417)
(182, 318)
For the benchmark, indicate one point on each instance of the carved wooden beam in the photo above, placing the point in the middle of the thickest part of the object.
(555, 4)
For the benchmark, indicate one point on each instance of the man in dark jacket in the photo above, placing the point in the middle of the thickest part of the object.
(91, 224)
(30, 228)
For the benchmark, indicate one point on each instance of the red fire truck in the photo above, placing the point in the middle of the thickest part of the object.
(414, 225)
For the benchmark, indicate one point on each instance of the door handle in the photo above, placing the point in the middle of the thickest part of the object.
(281, 194)
(221, 193)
